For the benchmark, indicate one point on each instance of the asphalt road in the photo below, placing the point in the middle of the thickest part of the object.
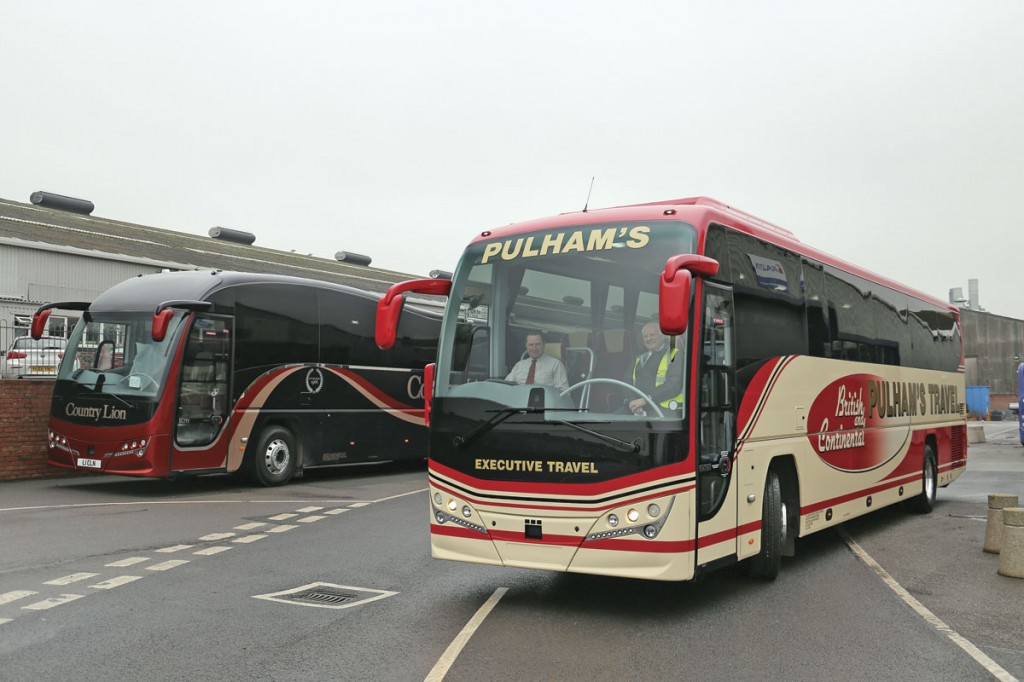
(106, 578)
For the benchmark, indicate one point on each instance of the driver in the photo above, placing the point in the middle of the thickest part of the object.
(538, 368)
(656, 372)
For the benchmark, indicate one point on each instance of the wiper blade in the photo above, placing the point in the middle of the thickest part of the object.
(634, 447)
(500, 416)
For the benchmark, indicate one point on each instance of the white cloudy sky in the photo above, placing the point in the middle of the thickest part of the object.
(888, 133)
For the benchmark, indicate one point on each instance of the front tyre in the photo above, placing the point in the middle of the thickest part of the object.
(766, 564)
(274, 459)
(923, 503)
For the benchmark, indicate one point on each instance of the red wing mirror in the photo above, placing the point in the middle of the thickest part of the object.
(428, 391)
(161, 321)
(39, 322)
(674, 289)
(389, 308)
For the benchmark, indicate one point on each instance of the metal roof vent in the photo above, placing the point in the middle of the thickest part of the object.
(352, 258)
(236, 236)
(62, 203)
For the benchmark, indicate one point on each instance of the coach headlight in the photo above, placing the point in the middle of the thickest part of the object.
(453, 505)
(438, 499)
(632, 515)
(440, 516)
(650, 531)
(613, 520)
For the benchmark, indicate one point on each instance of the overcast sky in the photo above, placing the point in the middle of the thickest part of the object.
(890, 134)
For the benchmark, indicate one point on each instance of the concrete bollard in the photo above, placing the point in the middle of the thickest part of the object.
(975, 433)
(997, 502)
(1011, 559)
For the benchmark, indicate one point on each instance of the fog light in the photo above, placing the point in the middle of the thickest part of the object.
(632, 515)
(437, 499)
(466, 511)
(653, 510)
(142, 442)
(650, 532)
(613, 520)
(439, 516)
(453, 505)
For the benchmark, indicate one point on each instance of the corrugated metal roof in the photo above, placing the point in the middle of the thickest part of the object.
(29, 223)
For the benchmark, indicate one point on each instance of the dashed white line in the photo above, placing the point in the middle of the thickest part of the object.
(283, 528)
(246, 539)
(282, 517)
(306, 510)
(970, 649)
(130, 561)
(5, 620)
(312, 519)
(174, 548)
(52, 602)
(73, 578)
(8, 597)
(213, 537)
(357, 505)
(336, 510)
(440, 668)
(167, 565)
(116, 582)
(250, 526)
(209, 551)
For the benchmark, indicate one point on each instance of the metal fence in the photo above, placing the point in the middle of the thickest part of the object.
(21, 357)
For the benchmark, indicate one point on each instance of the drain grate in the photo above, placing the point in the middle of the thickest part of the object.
(326, 595)
(323, 595)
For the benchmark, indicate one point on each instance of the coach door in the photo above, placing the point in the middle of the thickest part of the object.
(716, 420)
(204, 394)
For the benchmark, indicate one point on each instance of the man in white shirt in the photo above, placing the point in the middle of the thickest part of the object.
(538, 368)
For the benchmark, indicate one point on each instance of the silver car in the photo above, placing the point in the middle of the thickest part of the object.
(29, 358)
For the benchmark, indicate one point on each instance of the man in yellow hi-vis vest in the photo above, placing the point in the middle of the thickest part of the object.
(657, 372)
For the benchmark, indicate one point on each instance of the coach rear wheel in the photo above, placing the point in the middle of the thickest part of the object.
(924, 502)
(275, 456)
(773, 531)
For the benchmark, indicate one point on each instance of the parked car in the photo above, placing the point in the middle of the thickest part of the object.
(29, 358)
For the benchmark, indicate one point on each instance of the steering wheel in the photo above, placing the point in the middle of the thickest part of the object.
(622, 384)
(142, 376)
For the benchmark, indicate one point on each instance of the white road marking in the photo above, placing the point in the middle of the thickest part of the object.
(210, 551)
(282, 517)
(250, 526)
(175, 548)
(280, 596)
(246, 539)
(395, 497)
(281, 529)
(306, 510)
(336, 510)
(213, 537)
(440, 668)
(357, 505)
(73, 578)
(8, 597)
(5, 620)
(52, 602)
(130, 561)
(974, 652)
(167, 565)
(312, 519)
(116, 582)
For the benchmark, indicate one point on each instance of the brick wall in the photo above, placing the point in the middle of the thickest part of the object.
(24, 409)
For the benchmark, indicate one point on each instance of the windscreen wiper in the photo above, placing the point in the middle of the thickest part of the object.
(500, 416)
(634, 447)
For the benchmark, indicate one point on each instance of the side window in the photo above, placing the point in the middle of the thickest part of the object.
(276, 324)
(346, 330)
(416, 342)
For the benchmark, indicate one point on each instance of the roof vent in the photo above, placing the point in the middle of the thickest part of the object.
(61, 202)
(236, 236)
(440, 274)
(352, 258)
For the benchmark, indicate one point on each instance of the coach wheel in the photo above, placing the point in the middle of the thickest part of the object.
(773, 531)
(275, 457)
(924, 502)
(622, 384)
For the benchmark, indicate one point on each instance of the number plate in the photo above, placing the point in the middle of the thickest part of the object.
(41, 369)
(89, 463)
